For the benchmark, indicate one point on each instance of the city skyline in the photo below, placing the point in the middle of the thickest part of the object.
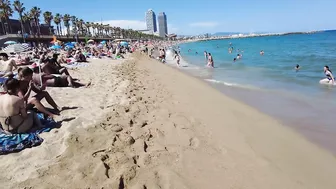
(163, 26)
(151, 21)
(192, 17)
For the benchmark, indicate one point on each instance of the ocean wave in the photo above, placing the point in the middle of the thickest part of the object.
(232, 84)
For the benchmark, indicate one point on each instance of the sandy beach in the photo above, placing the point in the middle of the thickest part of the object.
(142, 124)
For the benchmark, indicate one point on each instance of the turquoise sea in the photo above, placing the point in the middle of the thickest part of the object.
(270, 82)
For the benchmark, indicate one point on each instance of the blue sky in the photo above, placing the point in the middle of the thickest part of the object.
(203, 16)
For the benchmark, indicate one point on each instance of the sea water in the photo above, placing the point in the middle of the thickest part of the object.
(270, 83)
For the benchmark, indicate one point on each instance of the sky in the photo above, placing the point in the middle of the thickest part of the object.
(192, 17)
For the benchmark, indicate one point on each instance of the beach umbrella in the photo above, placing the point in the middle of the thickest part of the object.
(15, 48)
(10, 42)
(103, 42)
(123, 43)
(56, 47)
(69, 43)
(90, 41)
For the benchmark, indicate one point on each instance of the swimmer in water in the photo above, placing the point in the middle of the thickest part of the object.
(261, 52)
(235, 59)
(297, 67)
(238, 56)
(196, 52)
(330, 78)
(206, 56)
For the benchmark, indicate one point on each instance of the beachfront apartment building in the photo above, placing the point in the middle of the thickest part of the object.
(151, 21)
(163, 26)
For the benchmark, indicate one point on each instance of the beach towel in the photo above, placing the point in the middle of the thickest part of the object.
(16, 142)
(2, 80)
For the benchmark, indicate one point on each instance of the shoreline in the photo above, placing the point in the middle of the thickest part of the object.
(309, 115)
(156, 127)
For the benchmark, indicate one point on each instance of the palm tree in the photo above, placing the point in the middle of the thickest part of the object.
(19, 8)
(66, 22)
(60, 25)
(47, 19)
(6, 12)
(26, 18)
(57, 20)
(87, 26)
(73, 23)
(35, 13)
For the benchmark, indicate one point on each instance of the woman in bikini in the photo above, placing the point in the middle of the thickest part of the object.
(330, 78)
(14, 117)
(210, 61)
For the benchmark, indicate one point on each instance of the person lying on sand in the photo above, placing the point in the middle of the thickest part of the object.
(14, 117)
(26, 76)
(51, 80)
(10, 65)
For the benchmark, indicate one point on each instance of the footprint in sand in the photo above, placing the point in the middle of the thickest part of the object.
(193, 142)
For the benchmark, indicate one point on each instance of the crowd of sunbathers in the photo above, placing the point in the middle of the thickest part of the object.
(26, 75)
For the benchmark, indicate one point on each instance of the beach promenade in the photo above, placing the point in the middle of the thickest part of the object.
(142, 124)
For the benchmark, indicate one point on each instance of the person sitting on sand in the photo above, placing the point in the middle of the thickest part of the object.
(10, 65)
(14, 117)
(52, 67)
(26, 77)
(79, 56)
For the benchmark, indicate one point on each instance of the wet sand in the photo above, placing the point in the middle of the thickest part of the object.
(144, 124)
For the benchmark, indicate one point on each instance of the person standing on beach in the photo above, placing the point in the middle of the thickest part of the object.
(177, 56)
(206, 57)
(210, 61)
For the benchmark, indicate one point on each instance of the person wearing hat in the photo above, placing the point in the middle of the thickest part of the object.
(10, 65)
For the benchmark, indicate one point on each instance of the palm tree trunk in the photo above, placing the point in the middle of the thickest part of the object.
(49, 26)
(22, 27)
(3, 26)
(38, 29)
(57, 27)
(61, 33)
(9, 25)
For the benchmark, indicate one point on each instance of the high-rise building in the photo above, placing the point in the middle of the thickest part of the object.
(163, 27)
(151, 21)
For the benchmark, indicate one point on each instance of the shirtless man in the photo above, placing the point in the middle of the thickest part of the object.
(52, 67)
(26, 76)
(10, 65)
(14, 117)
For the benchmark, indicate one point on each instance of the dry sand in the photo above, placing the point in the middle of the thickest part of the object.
(145, 125)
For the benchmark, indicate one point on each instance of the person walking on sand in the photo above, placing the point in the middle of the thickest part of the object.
(177, 57)
(210, 61)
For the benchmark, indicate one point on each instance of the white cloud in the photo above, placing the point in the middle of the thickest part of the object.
(204, 24)
(172, 29)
